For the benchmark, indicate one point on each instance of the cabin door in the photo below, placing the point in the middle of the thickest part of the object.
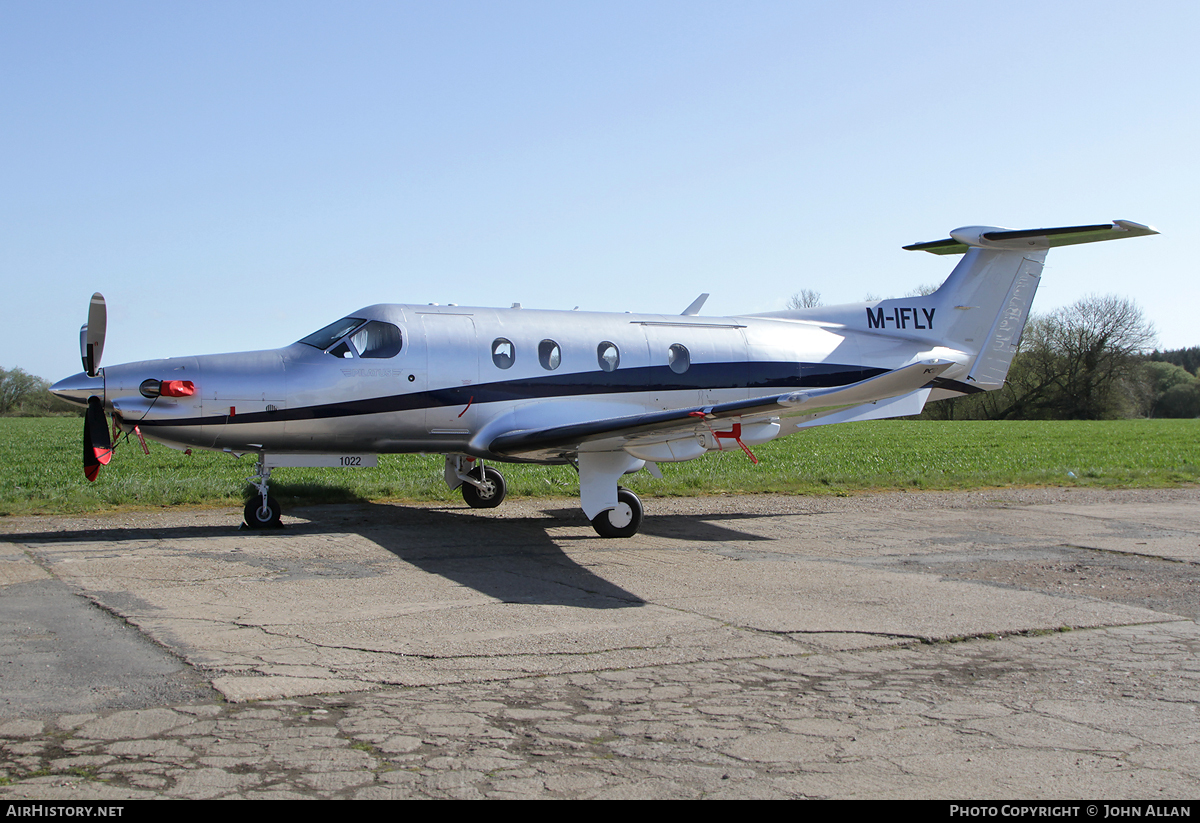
(452, 357)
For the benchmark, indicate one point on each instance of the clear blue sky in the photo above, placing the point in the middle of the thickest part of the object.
(235, 175)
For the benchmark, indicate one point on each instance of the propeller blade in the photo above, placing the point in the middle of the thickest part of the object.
(91, 335)
(97, 445)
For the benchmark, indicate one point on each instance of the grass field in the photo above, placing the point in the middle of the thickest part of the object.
(41, 466)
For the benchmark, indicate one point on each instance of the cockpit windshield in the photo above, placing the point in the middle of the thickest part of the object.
(329, 335)
(366, 338)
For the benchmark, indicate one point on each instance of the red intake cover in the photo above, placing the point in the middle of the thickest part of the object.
(177, 388)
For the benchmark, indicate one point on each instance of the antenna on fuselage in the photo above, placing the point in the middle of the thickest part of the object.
(695, 307)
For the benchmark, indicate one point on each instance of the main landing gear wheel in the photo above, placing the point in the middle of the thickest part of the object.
(624, 520)
(492, 493)
(263, 517)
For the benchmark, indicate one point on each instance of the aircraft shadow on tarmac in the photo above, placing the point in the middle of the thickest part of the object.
(673, 526)
(511, 559)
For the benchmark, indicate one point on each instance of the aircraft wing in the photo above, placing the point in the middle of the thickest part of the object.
(617, 432)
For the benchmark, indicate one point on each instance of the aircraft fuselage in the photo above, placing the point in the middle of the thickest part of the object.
(462, 374)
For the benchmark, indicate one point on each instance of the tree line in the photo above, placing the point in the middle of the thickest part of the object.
(25, 395)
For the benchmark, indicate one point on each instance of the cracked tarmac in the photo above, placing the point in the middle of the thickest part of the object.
(1024, 643)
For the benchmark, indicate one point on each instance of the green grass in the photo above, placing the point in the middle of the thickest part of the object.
(40, 469)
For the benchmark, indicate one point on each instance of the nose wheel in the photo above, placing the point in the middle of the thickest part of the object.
(261, 514)
(624, 520)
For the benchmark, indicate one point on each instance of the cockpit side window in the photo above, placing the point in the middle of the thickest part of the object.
(329, 335)
(378, 339)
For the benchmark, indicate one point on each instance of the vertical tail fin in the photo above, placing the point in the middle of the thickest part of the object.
(985, 302)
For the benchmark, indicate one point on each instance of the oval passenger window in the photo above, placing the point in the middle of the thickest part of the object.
(549, 354)
(608, 356)
(678, 358)
(503, 353)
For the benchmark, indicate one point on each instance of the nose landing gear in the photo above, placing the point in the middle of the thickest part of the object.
(262, 511)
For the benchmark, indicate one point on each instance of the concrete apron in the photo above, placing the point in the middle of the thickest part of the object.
(349, 598)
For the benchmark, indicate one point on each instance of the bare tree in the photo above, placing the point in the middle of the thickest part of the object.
(805, 299)
(1084, 361)
(1080, 362)
(923, 289)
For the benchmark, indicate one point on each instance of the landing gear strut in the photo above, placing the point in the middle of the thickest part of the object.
(624, 520)
(262, 511)
(613, 510)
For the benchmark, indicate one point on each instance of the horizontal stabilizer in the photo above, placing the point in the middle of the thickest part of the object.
(990, 237)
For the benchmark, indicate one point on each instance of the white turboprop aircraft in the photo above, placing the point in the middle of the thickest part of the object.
(607, 393)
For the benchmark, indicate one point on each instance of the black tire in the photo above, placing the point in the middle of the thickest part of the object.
(489, 497)
(624, 520)
(259, 518)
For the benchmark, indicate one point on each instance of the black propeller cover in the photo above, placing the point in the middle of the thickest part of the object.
(97, 444)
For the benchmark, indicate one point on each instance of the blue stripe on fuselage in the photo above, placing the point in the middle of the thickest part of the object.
(755, 377)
